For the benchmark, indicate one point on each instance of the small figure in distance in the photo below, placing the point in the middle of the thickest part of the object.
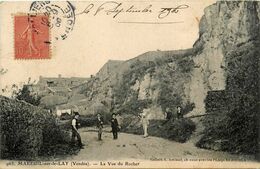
(179, 112)
(100, 123)
(168, 114)
(119, 120)
(114, 126)
(145, 123)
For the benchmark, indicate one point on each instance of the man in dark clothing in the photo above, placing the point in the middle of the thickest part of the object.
(168, 114)
(99, 126)
(75, 133)
(114, 125)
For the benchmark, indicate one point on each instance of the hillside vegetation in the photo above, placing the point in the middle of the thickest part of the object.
(235, 126)
(28, 131)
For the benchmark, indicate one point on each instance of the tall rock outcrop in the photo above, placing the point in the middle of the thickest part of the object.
(224, 26)
(231, 29)
(224, 60)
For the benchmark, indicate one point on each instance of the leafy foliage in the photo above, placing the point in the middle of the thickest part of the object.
(171, 71)
(243, 85)
(137, 71)
(25, 94)
(173, 75)
(179, 130)
(26, 130)
(49, 102)
(168, 98)
(134, 106)
(235, 124)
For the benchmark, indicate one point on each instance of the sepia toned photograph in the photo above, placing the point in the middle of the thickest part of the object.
(129, 84)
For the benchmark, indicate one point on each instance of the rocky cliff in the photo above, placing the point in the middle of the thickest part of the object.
(224, 26)
(223, 59)
(231, 29)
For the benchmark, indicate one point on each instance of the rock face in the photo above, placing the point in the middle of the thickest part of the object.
(223, 26)
(234, 124)
(223, 60)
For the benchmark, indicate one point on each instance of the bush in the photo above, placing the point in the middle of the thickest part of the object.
(131, 124)
(134, 106)
(178, 130)
(26, 129)
(234, 127)
(25, 94)
(87, 120)
(186, 64)
(65, 116)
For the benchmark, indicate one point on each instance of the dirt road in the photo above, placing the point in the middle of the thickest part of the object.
(129, 146)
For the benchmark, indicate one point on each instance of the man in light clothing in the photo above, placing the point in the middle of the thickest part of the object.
(179, 112)
(145, 122)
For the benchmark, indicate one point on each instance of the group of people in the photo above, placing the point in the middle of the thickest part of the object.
(75, 126)
(115, 125)
(169, 114)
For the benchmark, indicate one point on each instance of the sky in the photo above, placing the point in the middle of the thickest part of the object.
(96, 39)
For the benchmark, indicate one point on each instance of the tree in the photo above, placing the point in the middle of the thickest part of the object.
(25, 94)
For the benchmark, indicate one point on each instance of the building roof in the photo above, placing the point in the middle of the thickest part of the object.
(65, 106)
(72, 105)
(59, 89)
(80, 85)
(63, 78)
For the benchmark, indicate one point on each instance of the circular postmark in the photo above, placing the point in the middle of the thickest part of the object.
(60, 16)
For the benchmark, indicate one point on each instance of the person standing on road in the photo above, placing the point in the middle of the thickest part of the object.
(145, 122)
(119, 120)
(114, 126)
(75, 133)
(168, 114)
(100, 123)
(179, 112)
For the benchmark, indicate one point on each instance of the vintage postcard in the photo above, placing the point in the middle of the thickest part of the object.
(129, 84)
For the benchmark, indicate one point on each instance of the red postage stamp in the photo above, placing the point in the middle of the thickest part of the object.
(31, 38)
